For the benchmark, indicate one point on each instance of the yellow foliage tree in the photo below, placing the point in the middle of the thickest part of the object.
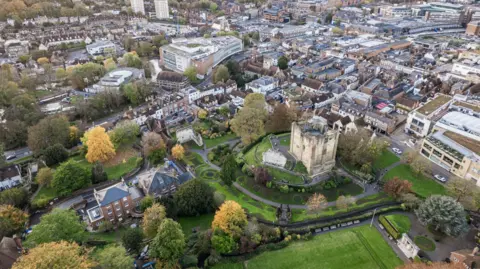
(43, 60)
(202, 114)
(152, 218)
(14, 218)
(73, 134)
(54, 255)
(178, 152)
(230, 218)
(100, 148)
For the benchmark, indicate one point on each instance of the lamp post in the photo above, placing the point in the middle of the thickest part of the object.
(371, 222)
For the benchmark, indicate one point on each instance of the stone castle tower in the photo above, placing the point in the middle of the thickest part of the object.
(313, 143)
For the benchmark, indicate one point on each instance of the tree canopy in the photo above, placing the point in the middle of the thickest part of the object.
(221, 74)
(12, 220)
(281, 119)
(249, 122)
(230, 218)
(48, 132)
(191, 73)
(124, 132)
(114, 257)
(396, 187)
(169, 243)
(99, 146)
(70, 176)
(152, 217)
(132, 239)
(282, 62)
(229, 168)
(194, 198)
(178, 152)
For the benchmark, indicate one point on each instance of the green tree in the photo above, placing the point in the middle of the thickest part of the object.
(213, 7)
(24, 58)
(328, 18)
(337, 31)
(249, 124)
(124, 132)
(281, 119)
(194, 198)
(48, 132)
(246, 41)
(152, 217)
(221, 74)
(191, 73)
(169, 243)
(223, 243)
(55, 154)
(44, 176)
(229, 170)
(132, 239)
(2, 154)
(443, 214)
(98, 173)
(70, 176)
(157, 156)
(17, 197)
(114, 257)
(132, 60)
(145, 49)
(464, 192)
(146, 202)
(58, 225)
(61, 74)
(283, 62)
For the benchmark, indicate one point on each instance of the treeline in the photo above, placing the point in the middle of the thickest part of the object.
(29, 9)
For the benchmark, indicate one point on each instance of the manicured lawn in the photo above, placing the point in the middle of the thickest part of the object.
(193, 159)
(300, 168)
(360, 248)
(109, 237)
(285, 140)
(188, 223)
(386, 159)
(210, 143)
(401, 222)
(279, 175)
(259, 149)
(422, 185)
(45, 193)
(113, 172)
(256, 208)
(424, 243)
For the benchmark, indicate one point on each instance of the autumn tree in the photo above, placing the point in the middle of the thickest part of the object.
(221, 74)
(152, 217)
(202, 114)
(169, 244)
(61, 74)
(73, 136)
(316, 203)
(114, 257)
(109, 64)
(396, 187)
(343, 202)
(100, 148)
(463, 191)
(70, 176)
(44, 176)
(178, 152)
(43, 60)
(249, 122)
(124, 132)
(230, 218)
(12, 220)
(281, 119)
(229, 168)
(194, 198)
(131, 59)
(48, 132)
(261, 175)
(54, 255)
(152, 141)
(443, 214)
(58, 225)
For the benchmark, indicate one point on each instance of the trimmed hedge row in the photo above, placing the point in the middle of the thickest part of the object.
(389, 227)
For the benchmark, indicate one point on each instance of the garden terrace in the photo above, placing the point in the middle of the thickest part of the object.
(360, 248)
(423, 186)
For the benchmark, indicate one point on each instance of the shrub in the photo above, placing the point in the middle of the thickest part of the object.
(189, 261)
(389, 227)
(283, 188)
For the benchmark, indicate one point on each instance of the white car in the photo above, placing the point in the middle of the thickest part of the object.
(397, 151)
(440, 178)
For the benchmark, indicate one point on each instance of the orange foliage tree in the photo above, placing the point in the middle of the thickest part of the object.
(396, 187)
(178, 152)
(100, 148)
(316, 203)
(230, 218)
(12, 219)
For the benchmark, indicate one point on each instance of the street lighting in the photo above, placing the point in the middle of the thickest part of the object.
(371, 222)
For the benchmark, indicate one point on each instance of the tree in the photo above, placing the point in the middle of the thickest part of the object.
(420, 165)
(70, 176)
(42, 61)
(169, 244)
(83, 75)
(124, 132)
(430, 265)
(61, 74)
(256, 101)
(24, 58)
(136, 93)
(410, 200)
(281, 119)
(145, 49)
(98, 173)
(328, 18)
(262, 176)
(114, 257)
(213, 7)
(191, 73)
(246, 41)
(58, 225)
(55, 154)
(44, 176)
(337, 31)
(17, 197)
(100, 148)
(228, 170)
(131, 59)
(12, 220)
(316, 203)
(109, 64)
(230, 218)
(147, 202)
(178, 152)
(54, 255)
(233, 68)
(221, 74)
(48, 132)
(396, 187)
(248, 123)
(152, 217)
(443, 214)
(343, 202)
(282, 62)
(462, 190)
(223, 243)
(132, 239)
(194, 198)
(152, 141)
(202, 114)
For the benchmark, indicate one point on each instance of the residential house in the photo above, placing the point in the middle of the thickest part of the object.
(161, 183)
(10, 177)
(466, 257)
(380, 123)
(262, 85)
(312, 85)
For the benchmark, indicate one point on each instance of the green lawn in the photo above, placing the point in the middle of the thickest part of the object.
(109, 237)
(279, 175)
(113, 172)
(386, 159)
(188, 223)
(210, 143)
(300, 168)
(44, 195)
(422, 185)
(284, 140)
(193, 159)
(260, 148)
(401, 222)
(360, 248)
(424, 243)
(41, 93)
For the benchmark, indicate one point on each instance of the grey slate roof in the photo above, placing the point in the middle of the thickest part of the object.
(112, 195)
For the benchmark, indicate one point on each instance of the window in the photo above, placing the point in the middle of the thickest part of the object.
(116, 203)
(424, 152)
(126, 204)
(118, 208)
(109, 211)
(125, 199)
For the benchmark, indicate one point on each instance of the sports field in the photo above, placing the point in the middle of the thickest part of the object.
(360, 248)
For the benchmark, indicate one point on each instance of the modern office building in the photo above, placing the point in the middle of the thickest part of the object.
(161, 9)
(421, 120)
(203, 53)
(102, 48)
(137, 6)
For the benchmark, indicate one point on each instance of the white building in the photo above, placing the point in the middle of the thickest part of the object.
(10, 177)
(421, 120)
(137, 6)
(101, 48)
(262, 85)
(161, 9)
(116, 78)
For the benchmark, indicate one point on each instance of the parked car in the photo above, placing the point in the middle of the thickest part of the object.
(440, 178)
(11, 157)
(397, 151)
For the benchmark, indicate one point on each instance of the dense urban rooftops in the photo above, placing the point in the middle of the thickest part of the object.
(434, 104)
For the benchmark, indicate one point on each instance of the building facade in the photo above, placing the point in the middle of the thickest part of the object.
(315, 144)
(161, 9)
(137, 6)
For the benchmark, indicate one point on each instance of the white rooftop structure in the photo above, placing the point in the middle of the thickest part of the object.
(461, 123)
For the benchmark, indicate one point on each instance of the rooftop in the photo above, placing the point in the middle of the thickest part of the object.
(434, 104)
(467, 105)
(464, 141)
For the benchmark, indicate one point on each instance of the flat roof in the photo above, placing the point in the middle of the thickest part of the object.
(462, 120)
(467, 105)
(465, 142)
(434, 104)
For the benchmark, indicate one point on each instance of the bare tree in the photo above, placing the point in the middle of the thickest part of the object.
(316, 203)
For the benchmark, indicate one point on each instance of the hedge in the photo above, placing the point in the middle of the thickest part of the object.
(389, 227)
(258, 140)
